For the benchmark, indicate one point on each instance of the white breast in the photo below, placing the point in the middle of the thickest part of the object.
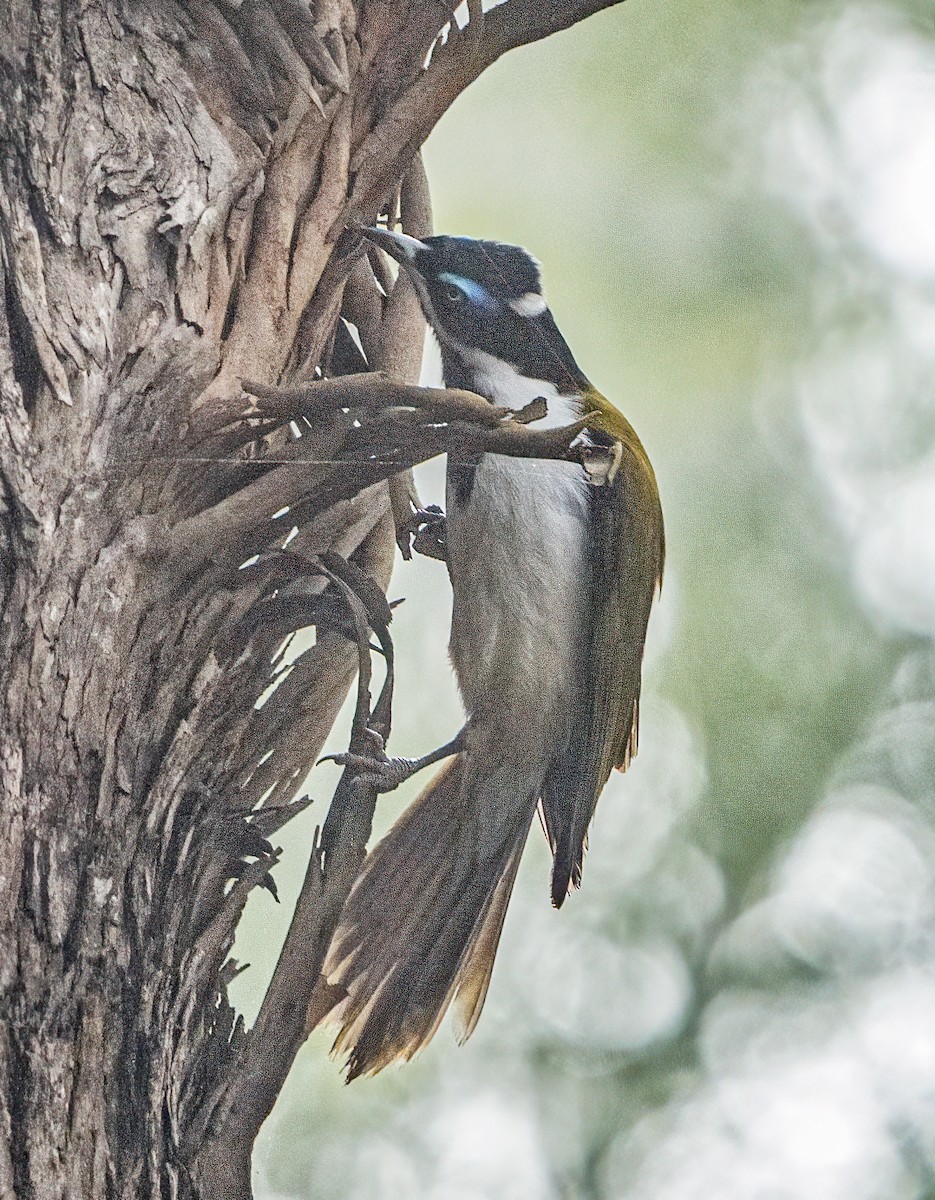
(519, 563)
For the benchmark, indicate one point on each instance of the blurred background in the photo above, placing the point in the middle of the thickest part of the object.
(734, 204)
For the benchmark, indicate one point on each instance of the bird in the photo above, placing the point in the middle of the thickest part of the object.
(554, 566)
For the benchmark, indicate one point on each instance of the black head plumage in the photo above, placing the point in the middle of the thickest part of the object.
(505, 272)
(484, 298)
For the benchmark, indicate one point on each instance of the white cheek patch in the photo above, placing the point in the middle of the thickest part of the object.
(530, 304)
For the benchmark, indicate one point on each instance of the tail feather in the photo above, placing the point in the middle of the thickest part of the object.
(472, 989)
(420, 839)
(422, 924)
(569, 795)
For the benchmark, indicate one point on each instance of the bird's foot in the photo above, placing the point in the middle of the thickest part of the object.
(382, 774)
(601, 463)
(426, 527)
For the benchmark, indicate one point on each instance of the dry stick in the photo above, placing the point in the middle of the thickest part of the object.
(402, 337)
(362, 305)
(430, 421)
(299, 25)
(271, 1046)
(410, 405)
(370, 390)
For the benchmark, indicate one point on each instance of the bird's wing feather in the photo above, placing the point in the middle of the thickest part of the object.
(628, 551)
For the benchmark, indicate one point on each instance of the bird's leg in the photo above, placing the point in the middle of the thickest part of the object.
(384, 773)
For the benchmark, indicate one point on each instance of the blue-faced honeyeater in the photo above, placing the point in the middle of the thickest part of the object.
(553, 569)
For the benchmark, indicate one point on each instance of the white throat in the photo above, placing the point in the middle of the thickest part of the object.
(504, 385)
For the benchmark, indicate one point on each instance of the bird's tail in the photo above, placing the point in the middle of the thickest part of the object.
(422, 924)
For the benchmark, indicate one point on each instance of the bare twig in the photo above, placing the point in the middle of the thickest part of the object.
(416, 424)
(402, 336)
(270, 1048)
(371, 390)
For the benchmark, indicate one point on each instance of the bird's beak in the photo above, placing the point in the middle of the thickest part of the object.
(400, 246)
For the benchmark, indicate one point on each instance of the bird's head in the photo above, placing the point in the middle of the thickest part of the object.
(484, 301)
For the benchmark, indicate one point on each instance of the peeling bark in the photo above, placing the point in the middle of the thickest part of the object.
(175, 181)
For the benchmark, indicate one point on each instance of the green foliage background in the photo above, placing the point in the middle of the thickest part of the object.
(731, 201)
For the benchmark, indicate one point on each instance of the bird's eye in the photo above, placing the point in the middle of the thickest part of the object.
(453, 294)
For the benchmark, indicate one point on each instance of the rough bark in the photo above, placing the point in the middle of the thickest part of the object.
(175, 181)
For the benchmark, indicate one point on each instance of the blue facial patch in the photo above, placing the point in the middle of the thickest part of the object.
(475, 292)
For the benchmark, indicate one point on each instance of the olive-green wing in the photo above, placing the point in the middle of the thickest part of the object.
(627, 551)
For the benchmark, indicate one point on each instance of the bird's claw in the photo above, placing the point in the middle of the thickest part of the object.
(426, 529)
(601, 463)
(348, 759)
(382, 774)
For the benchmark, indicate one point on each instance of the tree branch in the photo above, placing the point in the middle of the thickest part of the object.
(453, 67)
(412, 425)
(268, 1051)
(521, 22)
(402, 338)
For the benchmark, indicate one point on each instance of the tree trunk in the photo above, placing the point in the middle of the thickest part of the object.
(175, 180)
